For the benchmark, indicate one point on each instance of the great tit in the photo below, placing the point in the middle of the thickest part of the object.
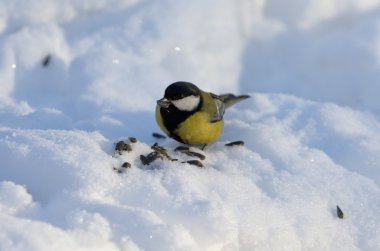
(192, 116)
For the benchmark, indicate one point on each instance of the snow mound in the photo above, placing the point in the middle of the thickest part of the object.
(279, 191)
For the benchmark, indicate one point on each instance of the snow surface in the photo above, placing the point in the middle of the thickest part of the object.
(78, 76)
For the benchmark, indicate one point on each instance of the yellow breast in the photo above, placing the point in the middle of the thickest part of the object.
(197, 129)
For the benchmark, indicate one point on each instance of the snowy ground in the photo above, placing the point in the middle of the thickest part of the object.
(78, 76)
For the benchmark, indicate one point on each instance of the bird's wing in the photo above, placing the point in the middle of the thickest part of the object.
(222, 102)
(231, 99)
(219, 108)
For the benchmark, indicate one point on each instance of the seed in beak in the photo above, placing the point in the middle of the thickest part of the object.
(163, 103)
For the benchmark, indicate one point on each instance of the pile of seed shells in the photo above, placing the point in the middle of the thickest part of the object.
(160, 152)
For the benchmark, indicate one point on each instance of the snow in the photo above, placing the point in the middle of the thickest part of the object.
(77, 77)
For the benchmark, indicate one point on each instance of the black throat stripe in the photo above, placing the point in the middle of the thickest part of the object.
(172, 117)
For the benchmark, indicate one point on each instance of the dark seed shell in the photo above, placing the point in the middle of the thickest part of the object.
(195, 163)
(146, 160)
(161, 151)
(186, 150)
(158, 148)
(132, 139)
(126, 165)
(339, 212)
(195, 154)
(182, 148)
(158, 135)
(46, 60)
(235, 143)
(121, 146)
(154, 155)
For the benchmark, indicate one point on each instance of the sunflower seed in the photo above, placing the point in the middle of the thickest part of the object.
(132, 139)
(121, 146)
(158, 135)
(235, 143)
(146, 160)
(158, 148)
(46, 60)
(186, 150)
(194, 162)
(339, 212)
(195, 154)
(182, 148)
(126, 165)
(161, 151)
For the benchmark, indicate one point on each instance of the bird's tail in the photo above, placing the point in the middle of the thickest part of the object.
(231, 99)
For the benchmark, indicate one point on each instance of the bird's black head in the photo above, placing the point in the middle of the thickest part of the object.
(180, 90)
(184, 96)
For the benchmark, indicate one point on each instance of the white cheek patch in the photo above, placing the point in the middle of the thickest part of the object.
(187, 104)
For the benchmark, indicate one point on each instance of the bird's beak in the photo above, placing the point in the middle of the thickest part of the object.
(163, 103)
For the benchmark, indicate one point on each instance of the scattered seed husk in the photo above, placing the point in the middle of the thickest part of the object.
(154, 155)
(195, 154)
(235, 143)
(126, 165)
(158, 148)
(46, 60)
(158, 135)
(186, 150)
(182, 148)
(132, 139)
(161, 150)
(194, 162)
(339, 212)
(121, 146)
(146, 160)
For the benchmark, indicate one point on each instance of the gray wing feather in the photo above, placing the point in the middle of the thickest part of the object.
(220, 109)
(224, 101)
(231, 99)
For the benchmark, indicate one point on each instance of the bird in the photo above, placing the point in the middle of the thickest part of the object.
(192, 116)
